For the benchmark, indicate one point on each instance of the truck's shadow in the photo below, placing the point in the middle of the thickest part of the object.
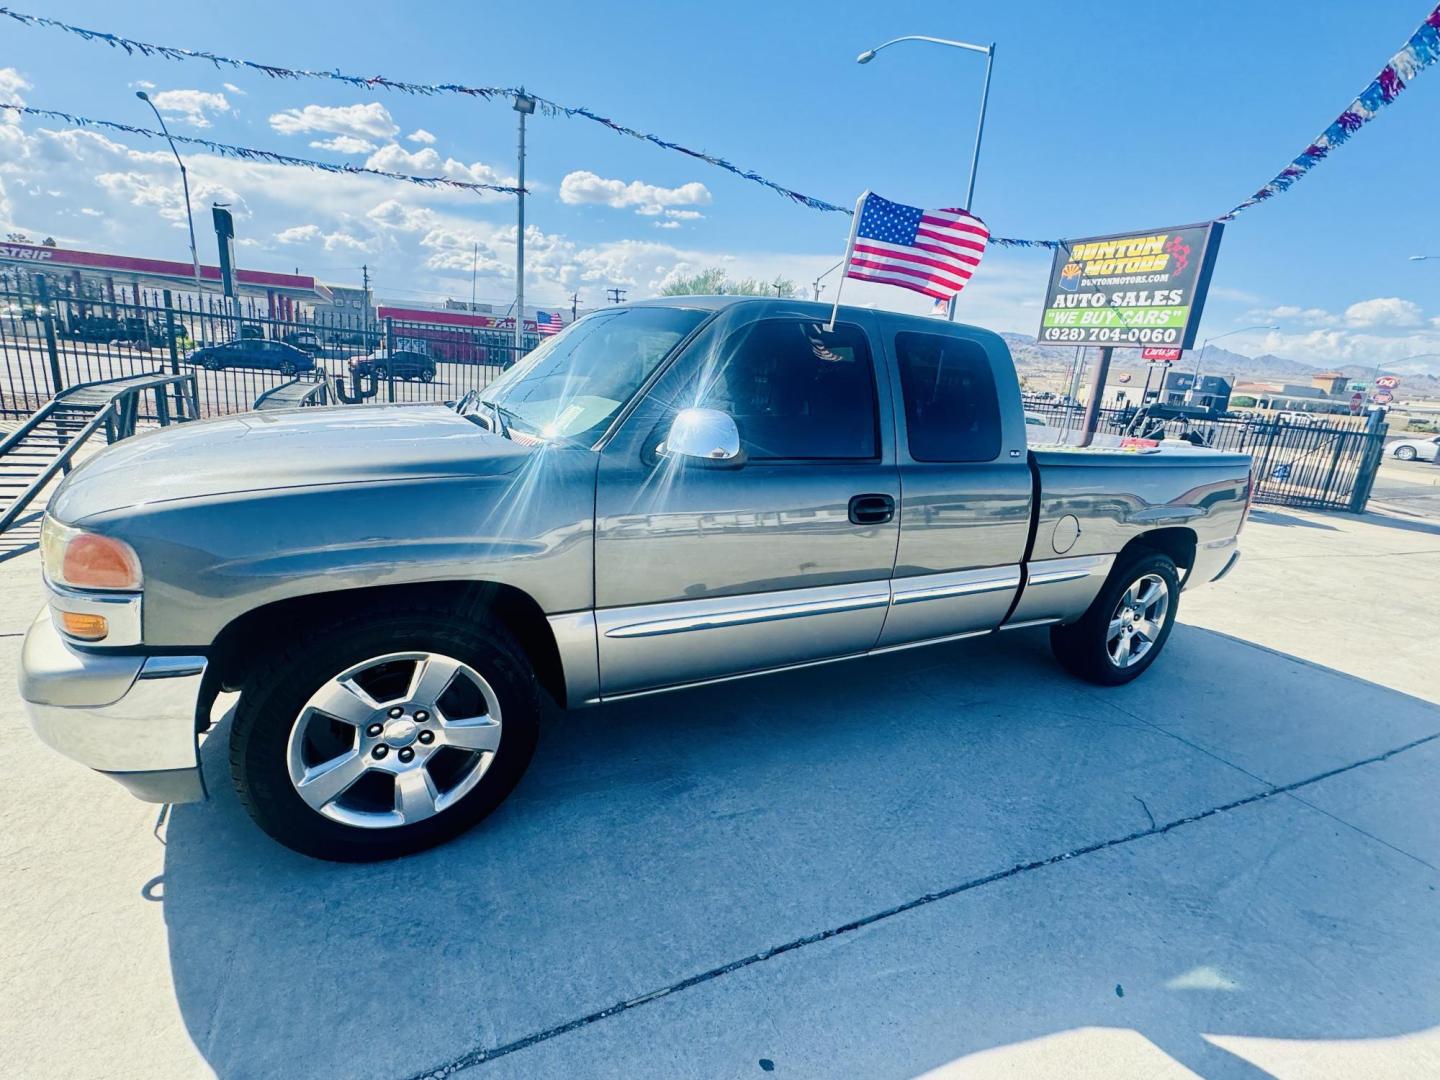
(660, 839)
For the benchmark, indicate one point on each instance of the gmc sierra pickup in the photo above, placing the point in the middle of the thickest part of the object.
(667, 493)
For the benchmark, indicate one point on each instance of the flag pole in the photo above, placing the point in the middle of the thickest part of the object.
(845, 262)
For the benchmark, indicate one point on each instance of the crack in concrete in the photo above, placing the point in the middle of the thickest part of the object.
(480, 1056)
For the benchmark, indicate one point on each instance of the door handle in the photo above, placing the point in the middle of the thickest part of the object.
(871, 509)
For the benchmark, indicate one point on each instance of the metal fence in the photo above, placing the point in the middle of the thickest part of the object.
(52, 338)
(1325, 463)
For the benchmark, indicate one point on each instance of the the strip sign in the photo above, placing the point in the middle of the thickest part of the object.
(1131, 289)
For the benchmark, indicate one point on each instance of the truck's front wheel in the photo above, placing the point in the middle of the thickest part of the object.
(1126, 627)
(384, 736)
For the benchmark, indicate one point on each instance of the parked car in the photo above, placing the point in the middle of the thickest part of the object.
(1424, 448)
(684, 491)
(249, 353)
(303, 339)
(105, 328)
(405, 364)
(252, 332)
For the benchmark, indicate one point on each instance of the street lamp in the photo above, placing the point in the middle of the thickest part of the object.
(1206, 344)
(822, 277)
(524, 105)
(1413, 356)
(184, 184)
(989, 51)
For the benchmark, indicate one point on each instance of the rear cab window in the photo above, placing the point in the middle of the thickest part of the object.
(952, 411)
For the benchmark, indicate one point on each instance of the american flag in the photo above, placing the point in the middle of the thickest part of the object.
(547, 324)
(931, 251)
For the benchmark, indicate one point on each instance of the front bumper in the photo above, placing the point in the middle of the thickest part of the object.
(131, 717)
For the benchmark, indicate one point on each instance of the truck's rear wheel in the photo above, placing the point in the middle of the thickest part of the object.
(1126, 627)
(384, 736)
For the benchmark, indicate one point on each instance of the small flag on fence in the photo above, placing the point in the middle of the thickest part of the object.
(929, 251)
(547, 324)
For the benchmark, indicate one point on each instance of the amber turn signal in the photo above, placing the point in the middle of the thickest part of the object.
(82, 626)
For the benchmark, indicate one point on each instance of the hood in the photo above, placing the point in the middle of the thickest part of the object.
(260, 451)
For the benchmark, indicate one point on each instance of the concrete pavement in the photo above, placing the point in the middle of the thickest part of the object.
(953, 862)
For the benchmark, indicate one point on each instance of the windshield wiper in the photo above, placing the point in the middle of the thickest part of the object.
(502, 417)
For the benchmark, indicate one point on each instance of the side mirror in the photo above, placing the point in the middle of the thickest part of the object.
(703, 435)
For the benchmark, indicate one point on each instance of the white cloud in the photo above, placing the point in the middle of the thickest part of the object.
(191, 107)
(667, 224)
(371, 120)
(344, 144)
(13, 86)
(299, 234)
(230, 86)
(1384, 311)
(90, 211)
(393, 157)
(338, 240)
(421, 136)
(1348, 347)
(587, 188)
(1312, 316)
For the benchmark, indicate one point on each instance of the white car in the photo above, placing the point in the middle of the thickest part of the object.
(1423, 448)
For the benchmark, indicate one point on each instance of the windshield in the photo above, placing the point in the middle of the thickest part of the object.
(574, 383)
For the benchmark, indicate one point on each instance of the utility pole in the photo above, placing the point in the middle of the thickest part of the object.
(574, 306)
(365, 300)
(524, 105)
(617, 295)
(474, 265)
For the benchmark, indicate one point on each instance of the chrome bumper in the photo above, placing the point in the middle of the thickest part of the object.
(130, 717)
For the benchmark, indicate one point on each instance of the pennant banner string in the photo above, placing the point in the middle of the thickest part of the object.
(247, 153)
(552, 108)
(1422, 50)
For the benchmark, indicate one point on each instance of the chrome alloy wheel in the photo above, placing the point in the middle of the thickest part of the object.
(394, 740)
(1138, 620)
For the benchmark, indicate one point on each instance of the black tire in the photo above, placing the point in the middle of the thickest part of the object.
(284, 681)
(287, 367)
(1405, 453)
(1082, 647)
(427, 376)
(213, 364)
(381, 372)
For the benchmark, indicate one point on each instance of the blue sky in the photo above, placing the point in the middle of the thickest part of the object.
(1103, 118)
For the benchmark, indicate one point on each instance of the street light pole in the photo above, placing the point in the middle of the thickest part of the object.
(1206, 344)
(524, 105)
(816, 283)
(989, 51)
(184, 184)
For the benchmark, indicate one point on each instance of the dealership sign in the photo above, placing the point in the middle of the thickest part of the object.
(1131, 289)
(1388, 382)
(1160, 356)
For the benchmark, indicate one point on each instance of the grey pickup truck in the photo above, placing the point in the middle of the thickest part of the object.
(666, 494)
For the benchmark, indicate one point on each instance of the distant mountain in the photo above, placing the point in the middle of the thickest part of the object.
(1270, 364)
(1422, 374)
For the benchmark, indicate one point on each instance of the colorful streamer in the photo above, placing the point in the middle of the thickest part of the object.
(247, 153)
(1422, 50)
(551, 108)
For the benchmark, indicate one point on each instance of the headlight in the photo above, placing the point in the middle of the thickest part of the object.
(79, 559)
